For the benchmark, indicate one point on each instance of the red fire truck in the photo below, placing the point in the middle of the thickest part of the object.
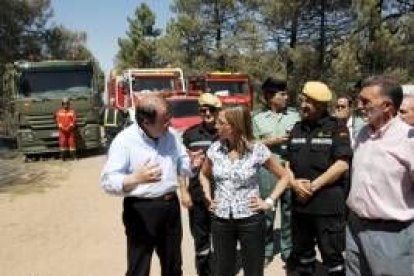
(231, 88)
(169, 82)
(116, 91)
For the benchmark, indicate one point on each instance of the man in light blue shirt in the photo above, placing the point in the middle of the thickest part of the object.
(143, 164)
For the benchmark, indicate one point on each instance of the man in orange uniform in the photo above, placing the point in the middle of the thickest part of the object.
(66, 121)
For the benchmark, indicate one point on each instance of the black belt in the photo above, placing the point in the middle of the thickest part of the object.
(166, 197)
(383, 223)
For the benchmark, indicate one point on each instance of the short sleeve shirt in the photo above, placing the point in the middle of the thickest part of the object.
(196, 138)
(236, 181)
(268, 123)
(312, 149)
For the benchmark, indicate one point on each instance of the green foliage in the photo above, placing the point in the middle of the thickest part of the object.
(338, 42)
(62, 43)
(21, 28)
(26, 35)
(138, 49)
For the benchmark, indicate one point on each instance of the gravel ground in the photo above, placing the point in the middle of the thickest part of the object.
(57, 221)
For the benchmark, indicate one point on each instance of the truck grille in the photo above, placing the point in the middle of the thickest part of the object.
(47, 122)
(45, 129)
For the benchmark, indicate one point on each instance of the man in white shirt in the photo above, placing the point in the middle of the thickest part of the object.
(143, 163)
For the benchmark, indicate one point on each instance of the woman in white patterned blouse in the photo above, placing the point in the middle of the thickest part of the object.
(232, 164)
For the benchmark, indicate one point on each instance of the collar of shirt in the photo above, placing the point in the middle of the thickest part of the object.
(146, 138)
(320, 122)
(381, 131)
(350, 122)
(277, 115)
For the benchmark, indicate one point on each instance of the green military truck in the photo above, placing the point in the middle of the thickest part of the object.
(33, 92)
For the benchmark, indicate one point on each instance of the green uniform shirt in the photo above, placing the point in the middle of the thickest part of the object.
(268, 123)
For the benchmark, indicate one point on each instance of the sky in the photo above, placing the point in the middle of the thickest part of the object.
(104, 22)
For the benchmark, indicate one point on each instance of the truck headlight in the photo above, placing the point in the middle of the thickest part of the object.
(90, 131)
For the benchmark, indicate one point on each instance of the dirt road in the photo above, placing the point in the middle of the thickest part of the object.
(63, 224)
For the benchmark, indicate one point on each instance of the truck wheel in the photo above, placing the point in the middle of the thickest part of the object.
(28, 158)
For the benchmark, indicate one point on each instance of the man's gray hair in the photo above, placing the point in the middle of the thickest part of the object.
(147, 107)
(390, 88)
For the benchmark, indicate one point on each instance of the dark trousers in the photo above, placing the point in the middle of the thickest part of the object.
(328, 232)
(149, 225)
(200, 223)
(250, 232)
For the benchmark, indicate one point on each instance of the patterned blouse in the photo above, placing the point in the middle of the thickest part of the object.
(235, 182)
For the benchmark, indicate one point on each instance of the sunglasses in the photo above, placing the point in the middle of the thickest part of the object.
(210, 109)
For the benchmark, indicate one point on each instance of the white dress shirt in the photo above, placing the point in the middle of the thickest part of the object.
(131, 149)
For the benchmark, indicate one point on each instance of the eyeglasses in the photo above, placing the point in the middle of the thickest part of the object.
(210, 109)
(340, 106)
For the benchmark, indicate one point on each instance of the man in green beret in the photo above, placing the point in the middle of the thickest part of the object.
(319, 153)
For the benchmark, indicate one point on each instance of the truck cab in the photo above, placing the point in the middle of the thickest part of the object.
(231, 88)
(33, 92)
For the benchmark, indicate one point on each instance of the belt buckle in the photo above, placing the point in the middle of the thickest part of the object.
(168, 196)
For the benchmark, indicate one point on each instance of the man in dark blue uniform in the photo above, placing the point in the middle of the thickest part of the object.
(319, 153)
(197, 138)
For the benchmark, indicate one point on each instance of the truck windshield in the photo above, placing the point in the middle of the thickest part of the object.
(153, 84)
(228, 88)
(45, 83)
(184, 108)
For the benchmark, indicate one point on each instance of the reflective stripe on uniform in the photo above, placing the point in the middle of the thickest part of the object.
(307, 260)
(298, 141)
(200, 144)
(203, 252)
(321, 141)
(336, 268)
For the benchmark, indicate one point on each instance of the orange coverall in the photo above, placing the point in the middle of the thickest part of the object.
(66, 120)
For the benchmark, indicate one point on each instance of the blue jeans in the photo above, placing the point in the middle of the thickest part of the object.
(250, 232)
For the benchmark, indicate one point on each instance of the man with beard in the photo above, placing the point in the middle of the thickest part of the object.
(380, 232)
(197, 138)
(319, 153)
